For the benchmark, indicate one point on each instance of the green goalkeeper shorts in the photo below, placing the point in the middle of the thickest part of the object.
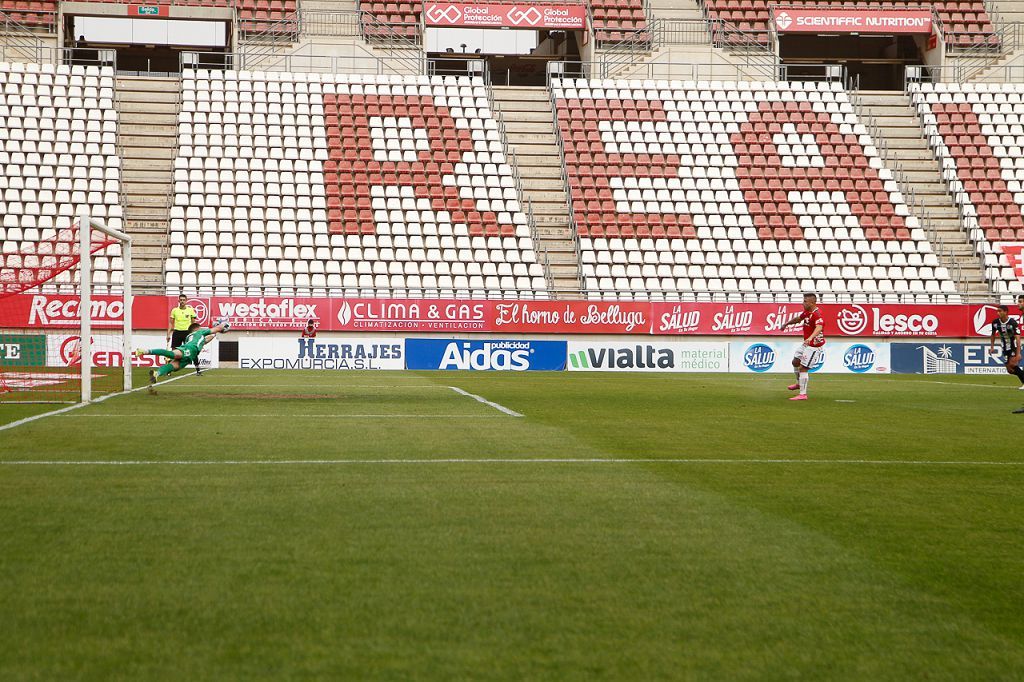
(189, 355)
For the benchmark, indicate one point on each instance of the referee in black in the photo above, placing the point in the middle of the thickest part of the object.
(182, 317)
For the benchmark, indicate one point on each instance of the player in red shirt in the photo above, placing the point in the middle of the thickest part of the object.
(310, 331)
(810, 353)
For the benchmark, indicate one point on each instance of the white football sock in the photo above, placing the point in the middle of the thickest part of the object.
(804, 377)
(796, 371)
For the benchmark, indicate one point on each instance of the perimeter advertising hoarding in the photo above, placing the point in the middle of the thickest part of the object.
(776, 355)
(945, 358)
(647, 356)
(276, 313)
(320, 353)
(64, 350)
(21, 350)
(501, 355)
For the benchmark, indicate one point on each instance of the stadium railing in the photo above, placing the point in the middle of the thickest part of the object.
(306, 59)
(593, 294)
(663, 69)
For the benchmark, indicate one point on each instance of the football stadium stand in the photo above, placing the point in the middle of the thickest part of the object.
(977, 135)
(59, 153)
(376, 182)
(720, 187)
(380, 185)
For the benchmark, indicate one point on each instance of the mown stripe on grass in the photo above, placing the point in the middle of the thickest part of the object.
(509, 460)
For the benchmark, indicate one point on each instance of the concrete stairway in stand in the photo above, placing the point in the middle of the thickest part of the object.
(529, 124)
(902, 145)
(147, 110)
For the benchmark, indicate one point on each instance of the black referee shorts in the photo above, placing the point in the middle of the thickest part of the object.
(178, 337)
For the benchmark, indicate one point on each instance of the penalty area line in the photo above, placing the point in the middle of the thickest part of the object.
(485, 401)
(65, 410)
(509, 460)
(171, 415)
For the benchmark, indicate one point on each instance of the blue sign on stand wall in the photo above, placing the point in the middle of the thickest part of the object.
(944, 358)
(485, 355)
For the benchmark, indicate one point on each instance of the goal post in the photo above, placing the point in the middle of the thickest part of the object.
(86, 225)
(65, 310)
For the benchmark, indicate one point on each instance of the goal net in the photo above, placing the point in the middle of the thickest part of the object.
(65, 312)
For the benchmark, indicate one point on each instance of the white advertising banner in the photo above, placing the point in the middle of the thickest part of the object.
(320, 353)
(63, 350)
(647, 356)
(840, 356)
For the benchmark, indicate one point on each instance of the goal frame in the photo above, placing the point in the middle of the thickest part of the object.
(86, 224)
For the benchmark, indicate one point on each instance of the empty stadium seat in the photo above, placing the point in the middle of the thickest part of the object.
(977, 133)
(688, 189)
(287, 183)
(58, 151)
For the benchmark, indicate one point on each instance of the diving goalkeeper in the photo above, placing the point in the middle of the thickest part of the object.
(185, 354)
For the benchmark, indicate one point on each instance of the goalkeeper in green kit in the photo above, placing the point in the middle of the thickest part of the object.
(185, 354)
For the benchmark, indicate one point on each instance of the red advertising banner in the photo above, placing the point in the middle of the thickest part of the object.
(269, 313)
(571, 317)
(51, 311)
(494, 15)
(798, 20)
(766, 319)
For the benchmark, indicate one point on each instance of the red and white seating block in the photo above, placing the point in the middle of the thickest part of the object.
(751, 190)
(349, 185)
(58, 151)
(977, 132)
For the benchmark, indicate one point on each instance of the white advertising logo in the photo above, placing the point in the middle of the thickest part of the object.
(444, 15)
(529, 16)
(506, 355)
(853, 320)
(345, 314)
(983, 318)
(202, 308)
(47, 312)
(783, 21)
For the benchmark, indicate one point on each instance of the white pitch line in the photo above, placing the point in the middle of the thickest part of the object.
(545, 460)
(168, 415)
(926, 381)
(485, 401)
(319, 386)
(65, 410)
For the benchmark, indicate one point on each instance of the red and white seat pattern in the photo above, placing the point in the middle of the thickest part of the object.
(749, 189)
(58, 151)
(354, 185)
(977, 132)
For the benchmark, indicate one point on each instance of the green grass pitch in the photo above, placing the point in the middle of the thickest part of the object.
(625, 527)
